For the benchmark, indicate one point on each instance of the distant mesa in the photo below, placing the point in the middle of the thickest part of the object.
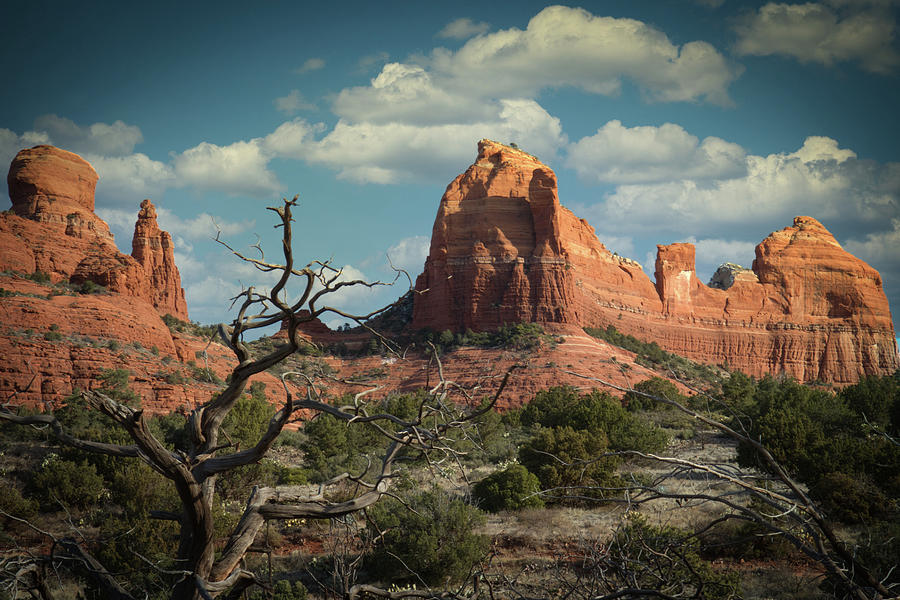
(504, 250)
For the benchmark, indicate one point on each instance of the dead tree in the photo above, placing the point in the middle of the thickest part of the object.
(199, 571)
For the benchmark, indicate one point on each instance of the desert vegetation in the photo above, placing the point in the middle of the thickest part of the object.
(667, 491)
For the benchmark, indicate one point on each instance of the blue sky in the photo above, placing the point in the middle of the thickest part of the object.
(711, 121)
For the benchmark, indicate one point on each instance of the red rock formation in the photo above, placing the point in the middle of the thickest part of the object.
(53, 229)
(504, 250)
(49, 185)
(153, 249)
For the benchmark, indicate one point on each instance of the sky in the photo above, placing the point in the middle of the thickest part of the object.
(708, 121)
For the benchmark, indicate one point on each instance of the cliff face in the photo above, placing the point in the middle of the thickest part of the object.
(153, 249)
(53, 229)
(504, 250)
(54, 339)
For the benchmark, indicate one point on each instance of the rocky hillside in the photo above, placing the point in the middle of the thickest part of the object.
(504, 250)
(73, 306)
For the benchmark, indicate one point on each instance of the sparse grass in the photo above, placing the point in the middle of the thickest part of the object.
(176, 325)
(650, 355)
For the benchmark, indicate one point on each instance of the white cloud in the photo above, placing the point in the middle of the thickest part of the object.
(409, 254)
(623, 245)
(240, 168)
(204, 225)
(311, 64)
(814, 32)
(388, 153)
(619, 154)
(293, 103)
(462, 29)
(561, 47)
(116, 139)
(408, 94)
(292, 139)
(879, 247)
(11, 143)
(710, 253)
(126, 180)
(564, 46)
(819, 179)
(823, 148)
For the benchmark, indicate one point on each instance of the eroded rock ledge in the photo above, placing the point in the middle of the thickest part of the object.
(504, 250)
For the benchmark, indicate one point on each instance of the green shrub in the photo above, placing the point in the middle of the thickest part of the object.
(851, 498)
(172, 429)
(90, 287)
(53, 336)
(430, 538)
(12, 502)
(205, 375)
(876, 400)
(283, 590)
(115, 384)
(513, 488)
(655, 386)
(292, 476)
(568, 463)
(64, 481)
(249, 418)
(39, 277)
(880, 550)
(333, 446)
(597, 411)
(649, 354)
(821, 438)
(665, 559)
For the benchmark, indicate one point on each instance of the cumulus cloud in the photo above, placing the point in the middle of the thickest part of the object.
(564, 46)
(292, 139)
(311, 64)
(293, 103)
(129, 179)
(463, 29)
(409, 254)
(408, 93)
(561, 47)
(814, 32)
(204, 225)
(388, 153)
(820, 179)
(11, 143)
(710, 253)
(881, 249)
(240, 168)
(115, 139)
(619, 154)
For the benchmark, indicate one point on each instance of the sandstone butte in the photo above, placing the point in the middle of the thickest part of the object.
(503, 250)
(52, 228)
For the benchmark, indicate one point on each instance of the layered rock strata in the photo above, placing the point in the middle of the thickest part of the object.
(54, 339)
(504, 250)
(53, 229)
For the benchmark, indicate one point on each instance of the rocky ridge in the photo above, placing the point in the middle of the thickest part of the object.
(54, 336)
(505, 250)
